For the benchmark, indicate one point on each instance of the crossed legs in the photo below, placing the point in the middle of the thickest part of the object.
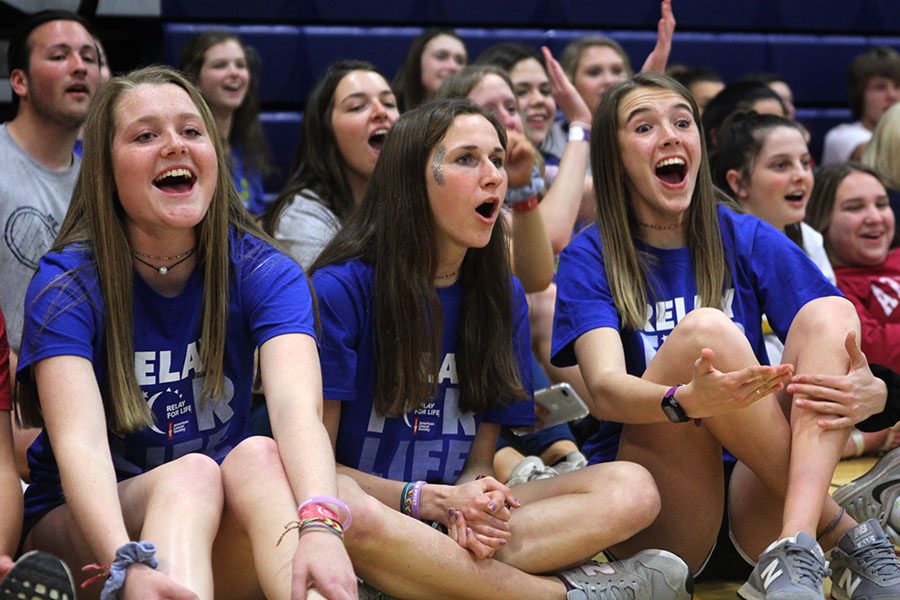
(789, 464)
(562, 522)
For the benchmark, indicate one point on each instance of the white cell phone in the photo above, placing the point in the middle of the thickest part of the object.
(562, 402)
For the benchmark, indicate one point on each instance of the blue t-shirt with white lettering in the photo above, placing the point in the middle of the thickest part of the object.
(432, 442)
(268, 296)
(769, 275)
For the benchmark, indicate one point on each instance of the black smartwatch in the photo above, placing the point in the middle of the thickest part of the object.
(672, 409)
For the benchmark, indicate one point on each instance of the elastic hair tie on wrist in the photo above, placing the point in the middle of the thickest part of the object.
(129, 554)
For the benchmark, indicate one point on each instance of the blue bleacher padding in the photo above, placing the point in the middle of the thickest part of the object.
(294, 57)
(578, 13)
(818, 121)
(722, 16)
(258, 10)
(786, 16)
(814, 66)
(282, 130)
(374, 12)
(732, 55)
(812, 15)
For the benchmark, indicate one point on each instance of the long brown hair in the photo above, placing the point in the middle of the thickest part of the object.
(394, 231)
(627, 268)
(246, 129)
(96, 222)
(407, 83)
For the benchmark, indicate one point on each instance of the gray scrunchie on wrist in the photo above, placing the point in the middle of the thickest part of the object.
(129, 554)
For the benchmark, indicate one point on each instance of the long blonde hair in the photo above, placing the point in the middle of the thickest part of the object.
(627, 268)
(96, 221)
(883, 152)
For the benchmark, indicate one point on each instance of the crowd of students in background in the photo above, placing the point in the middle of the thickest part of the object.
(202, 388)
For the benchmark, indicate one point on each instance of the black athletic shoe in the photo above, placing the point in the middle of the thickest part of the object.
(38, 576)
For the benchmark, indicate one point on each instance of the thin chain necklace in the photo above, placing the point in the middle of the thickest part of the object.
(445, 276)
(660, 227)
(178, 258)
(165, 258)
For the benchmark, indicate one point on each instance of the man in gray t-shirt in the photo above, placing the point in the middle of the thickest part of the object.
(53, 74)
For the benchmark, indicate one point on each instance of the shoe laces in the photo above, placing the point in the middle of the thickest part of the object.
(807, 566)
(613, 590)
(879, 557)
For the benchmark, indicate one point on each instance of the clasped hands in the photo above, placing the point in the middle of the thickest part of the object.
(475, 513)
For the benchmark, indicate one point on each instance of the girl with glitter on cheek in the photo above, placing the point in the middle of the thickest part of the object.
(424, 358)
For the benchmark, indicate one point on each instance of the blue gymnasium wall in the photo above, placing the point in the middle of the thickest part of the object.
(810, 42)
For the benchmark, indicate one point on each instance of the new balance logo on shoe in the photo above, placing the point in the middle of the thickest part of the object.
(849, 583)
(770, 574)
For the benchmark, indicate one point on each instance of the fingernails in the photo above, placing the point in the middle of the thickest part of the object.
(492, 506)
(502, 542)
(452, 514)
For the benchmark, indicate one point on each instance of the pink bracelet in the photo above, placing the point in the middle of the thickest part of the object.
(416, 496)
(336, 503)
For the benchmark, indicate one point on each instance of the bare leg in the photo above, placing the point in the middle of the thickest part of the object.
(176, 506)
(545, 536)
(815, 344)
(686, 460)
(258, 504)
(557, 451)
(505, 460)
(409, 559)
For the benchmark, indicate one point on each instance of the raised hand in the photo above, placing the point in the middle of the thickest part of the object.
(567, 97)
(712, 392)
(659, 56)
(842, 400)
(520, 157)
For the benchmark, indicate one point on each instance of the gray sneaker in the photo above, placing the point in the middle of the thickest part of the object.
(790, 569)
(38, 576)
(864, 566)
(648, 575)
(530, 468)
(863, 496)
(890, 515)
(572, 462)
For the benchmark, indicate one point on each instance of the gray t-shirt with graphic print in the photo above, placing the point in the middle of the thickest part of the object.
(33, 202)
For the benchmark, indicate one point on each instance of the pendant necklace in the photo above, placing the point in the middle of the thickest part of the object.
(178, 258)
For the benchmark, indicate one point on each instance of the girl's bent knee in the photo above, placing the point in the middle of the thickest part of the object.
(192, 476)
(637, 490)
(708, 327)
(253, 459)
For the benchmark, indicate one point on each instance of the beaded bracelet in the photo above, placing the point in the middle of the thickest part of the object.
(337, 503)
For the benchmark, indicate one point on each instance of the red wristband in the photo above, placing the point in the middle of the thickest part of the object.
(312, 511)
(526, 205)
